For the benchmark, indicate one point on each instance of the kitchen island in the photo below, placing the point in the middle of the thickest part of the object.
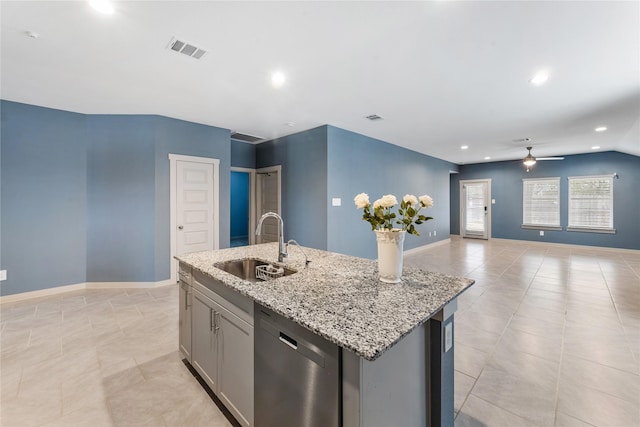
(395, 340)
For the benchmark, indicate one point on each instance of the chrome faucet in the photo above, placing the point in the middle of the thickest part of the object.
(306, 258)
(282, 249)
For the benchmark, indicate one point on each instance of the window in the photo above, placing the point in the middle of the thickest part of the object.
(541, 203)
(591, 203)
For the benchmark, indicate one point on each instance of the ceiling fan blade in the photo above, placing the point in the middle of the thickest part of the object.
(549, 158)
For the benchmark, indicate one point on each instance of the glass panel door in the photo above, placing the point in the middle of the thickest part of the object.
(475, 209)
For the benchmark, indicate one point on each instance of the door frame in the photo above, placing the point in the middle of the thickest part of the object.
(463, 204)
(173, 189)
(252, 201)
(278, 169)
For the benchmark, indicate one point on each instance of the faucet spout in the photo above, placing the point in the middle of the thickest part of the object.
(282, 249)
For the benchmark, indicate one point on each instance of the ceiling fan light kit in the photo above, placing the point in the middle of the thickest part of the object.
(529, 161)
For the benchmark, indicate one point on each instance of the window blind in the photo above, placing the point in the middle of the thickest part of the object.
(541, 202)
(591, 202)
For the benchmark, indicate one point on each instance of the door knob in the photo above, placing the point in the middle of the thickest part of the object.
(180, 227)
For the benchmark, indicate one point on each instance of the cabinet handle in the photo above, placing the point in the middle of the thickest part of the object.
(217, 317)
(188, 303)
(211, 319)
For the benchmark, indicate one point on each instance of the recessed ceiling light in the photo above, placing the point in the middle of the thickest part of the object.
(464, 147)
(32, 34)
(290, 124)
(595, 147)
(278, 79)
(102, 6)
(601, 128)
(487, 158)
(539, 78)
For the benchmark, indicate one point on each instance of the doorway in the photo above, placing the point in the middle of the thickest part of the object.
(268, 199)
(475, 208)
(242, 196)
(253, 193)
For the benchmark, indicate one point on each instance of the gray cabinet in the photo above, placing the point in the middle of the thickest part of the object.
(235, 373)
(184, 316)
(204, 345)
(222, 350)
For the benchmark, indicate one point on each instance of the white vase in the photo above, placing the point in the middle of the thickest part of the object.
(390, 244)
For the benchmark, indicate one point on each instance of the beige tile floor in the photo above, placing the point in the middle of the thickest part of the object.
(548, 336)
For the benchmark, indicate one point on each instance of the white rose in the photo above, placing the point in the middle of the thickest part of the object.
(377, 204)
(388, 201)
(426, 201)
(410, 199)
(361, 200)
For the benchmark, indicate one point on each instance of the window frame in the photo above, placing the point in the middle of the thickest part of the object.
(554, 227)
(590, 228)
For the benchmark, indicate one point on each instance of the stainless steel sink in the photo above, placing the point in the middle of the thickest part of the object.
(245, 268)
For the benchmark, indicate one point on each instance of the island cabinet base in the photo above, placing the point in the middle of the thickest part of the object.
(411, 384)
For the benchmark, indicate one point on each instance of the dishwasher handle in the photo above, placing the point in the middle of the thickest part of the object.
(288, 341)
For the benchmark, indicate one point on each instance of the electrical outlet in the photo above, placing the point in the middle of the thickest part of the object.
(541, 232)
(336, 201)
(448, 337)
(3, 275)
(434, 233)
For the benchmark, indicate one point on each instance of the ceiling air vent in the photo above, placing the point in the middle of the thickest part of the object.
(245, 137)
(373, 117)
(186, 48)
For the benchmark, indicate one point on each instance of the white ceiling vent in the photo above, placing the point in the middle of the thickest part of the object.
(186, 48)
(373, 117)
(245, 137)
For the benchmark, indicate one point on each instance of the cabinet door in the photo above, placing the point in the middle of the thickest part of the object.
(204, 346)
(235, 374)
(184, 322)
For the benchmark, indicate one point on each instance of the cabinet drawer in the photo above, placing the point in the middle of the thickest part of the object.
(236, 303)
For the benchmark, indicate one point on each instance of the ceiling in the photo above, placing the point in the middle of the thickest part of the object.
(442, 74)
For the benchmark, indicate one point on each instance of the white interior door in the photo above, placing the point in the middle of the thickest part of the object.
(475, 208)
(268, 200)
(194, 205)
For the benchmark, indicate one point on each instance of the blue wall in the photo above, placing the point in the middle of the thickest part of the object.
(120, 198)
(44, 191)
(506, 189)
(239, 204)
(86, 197)
(303, 157)
(243, 154)
(357, 164)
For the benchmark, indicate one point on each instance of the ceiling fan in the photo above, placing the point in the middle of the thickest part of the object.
(529, 161)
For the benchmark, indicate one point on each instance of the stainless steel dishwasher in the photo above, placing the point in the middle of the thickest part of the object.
(297, 375)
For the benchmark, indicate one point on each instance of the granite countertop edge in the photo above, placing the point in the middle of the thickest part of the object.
(339, 297)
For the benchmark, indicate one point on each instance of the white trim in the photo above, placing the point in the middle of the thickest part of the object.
(173, 159)
(425, 247)
(463, 205)
(23, 296)
(252, 201)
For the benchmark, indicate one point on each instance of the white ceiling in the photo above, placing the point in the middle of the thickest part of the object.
(441, 73)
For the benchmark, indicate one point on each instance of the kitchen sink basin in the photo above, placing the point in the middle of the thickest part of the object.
(245, 269)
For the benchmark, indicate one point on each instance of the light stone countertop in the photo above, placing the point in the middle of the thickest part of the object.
(339, 297)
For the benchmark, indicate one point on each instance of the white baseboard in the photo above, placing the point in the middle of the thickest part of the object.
(570, 245)
(425, 247)
(80, 286)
